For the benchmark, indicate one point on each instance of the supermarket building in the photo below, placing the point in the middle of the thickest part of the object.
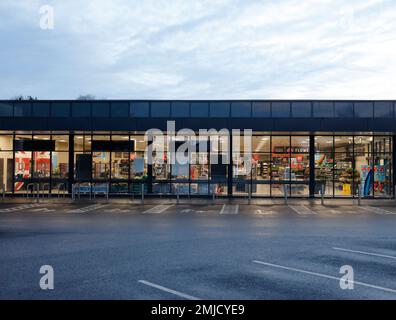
(297, 146)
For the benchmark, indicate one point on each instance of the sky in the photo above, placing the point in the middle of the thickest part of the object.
(206, 49)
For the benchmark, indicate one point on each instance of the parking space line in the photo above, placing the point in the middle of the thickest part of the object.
(323, 276)
(229, 209)
(302, 210)
(377, 210)
(176, 293)
(22, 207)
(88, 208)
(366, 253)
(159, 208)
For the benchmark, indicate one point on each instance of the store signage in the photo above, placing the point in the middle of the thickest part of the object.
(106, 145)
(34, 145)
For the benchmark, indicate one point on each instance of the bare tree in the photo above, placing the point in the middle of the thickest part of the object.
(86, 97)
(21, 97)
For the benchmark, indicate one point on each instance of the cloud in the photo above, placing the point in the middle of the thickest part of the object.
(215, 49)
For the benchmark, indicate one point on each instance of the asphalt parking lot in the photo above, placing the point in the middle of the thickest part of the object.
(164, 250)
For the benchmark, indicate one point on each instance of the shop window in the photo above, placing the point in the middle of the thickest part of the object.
(6, 142)
(324, 144)
(139, 109)
(261, 143)
(199, 169)
(383, 182)
(363, 145)
(6, 169)
(199, 109)
(280, 109)
(219, 109)
(382, 144)
(6, 109)
(100, 165)
(120, 165)
(180, 109)
(138, 165)
(343, 174)
(60, 109)
(61, 142)
(60, 165)
(23, 169)
(301, 109)
(324, 169)
(160, 109)
(241, 109)
(261, 109)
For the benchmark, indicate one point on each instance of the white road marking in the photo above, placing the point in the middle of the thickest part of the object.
(377, 210)
(176, 293)
(302, 210)
(43, 210)
(22, 207)
(324, 276)
(118, 210)
(366, 253)
(159, 208)
(229, 209)
(264, 212)
(88, 208)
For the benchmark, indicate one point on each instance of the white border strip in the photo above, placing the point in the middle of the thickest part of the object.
(176, 293)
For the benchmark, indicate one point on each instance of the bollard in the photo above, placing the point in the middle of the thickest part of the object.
(107, 191)
(285, 193)
(359, 196)
(38, 192)
(177, 194)
(322, 194)
(142, 193)
(73, 194)
(249, 194)
(90, 191)
(214, 195)
(4, 190)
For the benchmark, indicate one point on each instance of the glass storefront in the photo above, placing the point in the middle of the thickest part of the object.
(277, 163)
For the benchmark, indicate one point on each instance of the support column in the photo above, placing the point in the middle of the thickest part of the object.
(71, 163)
(230, 165)
(311, 166)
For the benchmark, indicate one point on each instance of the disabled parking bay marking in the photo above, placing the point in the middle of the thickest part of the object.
(302, 210)
(229, 209)
(159, 208)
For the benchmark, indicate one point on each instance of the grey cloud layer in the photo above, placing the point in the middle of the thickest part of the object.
(200, 49)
